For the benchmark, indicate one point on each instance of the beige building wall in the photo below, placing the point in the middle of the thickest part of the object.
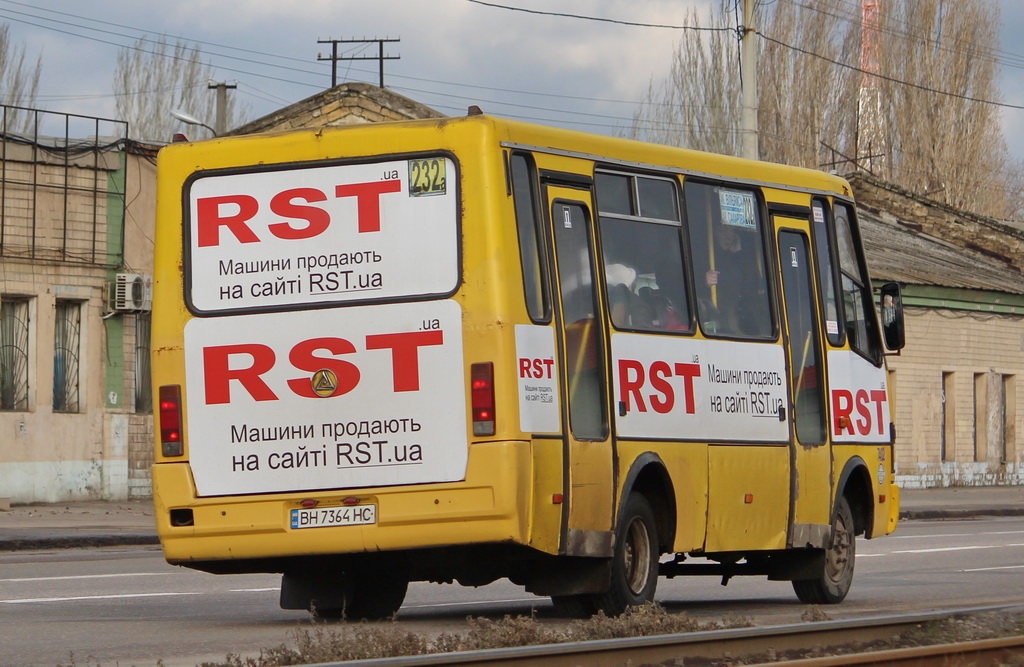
(958, 409)
(62, 244)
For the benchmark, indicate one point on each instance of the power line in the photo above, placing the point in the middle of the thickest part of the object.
(598, 19)
(966, 98)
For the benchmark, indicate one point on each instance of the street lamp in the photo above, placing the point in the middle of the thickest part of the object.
(192, 120)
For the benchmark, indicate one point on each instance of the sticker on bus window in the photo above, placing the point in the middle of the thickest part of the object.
(738, 208)
(427, 177)
(287, 236)
(262, 418)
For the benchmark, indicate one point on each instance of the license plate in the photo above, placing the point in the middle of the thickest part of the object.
(322, 517)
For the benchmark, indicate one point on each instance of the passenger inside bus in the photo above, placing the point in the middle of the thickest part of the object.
(736, 283)
(644, 276)
(727, 251)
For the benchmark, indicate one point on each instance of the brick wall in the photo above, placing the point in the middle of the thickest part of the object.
(958, 404)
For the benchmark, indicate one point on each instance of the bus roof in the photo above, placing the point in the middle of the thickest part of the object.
(391, 137)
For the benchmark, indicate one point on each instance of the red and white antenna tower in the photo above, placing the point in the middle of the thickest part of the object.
(872, 146)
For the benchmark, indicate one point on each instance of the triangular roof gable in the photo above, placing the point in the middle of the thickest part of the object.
(344, 104)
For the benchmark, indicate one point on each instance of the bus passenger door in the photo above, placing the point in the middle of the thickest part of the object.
(812, 457)
(587, 519)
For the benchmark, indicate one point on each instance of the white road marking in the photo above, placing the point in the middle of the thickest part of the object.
(87, 576)
(78, 598)
(965, 548)
(988, 569)
(462, 604)
(919, 537)
(253, 590)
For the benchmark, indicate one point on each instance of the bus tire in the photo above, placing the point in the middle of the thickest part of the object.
(635, 559)
(368, 598)
(833, 582)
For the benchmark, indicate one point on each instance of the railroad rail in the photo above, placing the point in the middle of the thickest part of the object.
(735, 642)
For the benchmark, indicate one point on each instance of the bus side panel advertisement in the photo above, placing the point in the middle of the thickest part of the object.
(343, 233)
(858, 399)
(684, 388)
(539, 405)
(326, 399)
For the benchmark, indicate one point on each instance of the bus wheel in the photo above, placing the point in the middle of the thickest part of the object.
(836, 576)
(370, 598)
(635, 560)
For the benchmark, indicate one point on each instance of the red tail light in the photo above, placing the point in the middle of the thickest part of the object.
(482, 390)
(170, 420)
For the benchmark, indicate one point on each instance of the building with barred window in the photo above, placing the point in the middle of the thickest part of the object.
(75, 263)
(958, 408)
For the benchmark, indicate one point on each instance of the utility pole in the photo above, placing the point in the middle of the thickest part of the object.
(334, 57)
(748, 73)
(220, 125)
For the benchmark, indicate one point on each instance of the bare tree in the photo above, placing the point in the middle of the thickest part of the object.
(913, 118)
(689, 108)
(19, 82)
(153, 78)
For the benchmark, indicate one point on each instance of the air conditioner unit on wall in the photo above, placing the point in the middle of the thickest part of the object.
(131, 293)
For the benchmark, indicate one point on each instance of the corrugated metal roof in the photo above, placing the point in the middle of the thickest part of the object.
(899, 253)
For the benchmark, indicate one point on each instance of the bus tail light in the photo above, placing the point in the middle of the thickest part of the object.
(170, 420)
(481, 386)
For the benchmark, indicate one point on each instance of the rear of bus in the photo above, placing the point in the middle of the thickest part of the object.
(324, 360)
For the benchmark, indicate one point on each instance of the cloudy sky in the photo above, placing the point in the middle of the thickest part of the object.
(558, 70)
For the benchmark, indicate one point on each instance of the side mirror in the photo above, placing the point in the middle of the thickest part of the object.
(892, 317)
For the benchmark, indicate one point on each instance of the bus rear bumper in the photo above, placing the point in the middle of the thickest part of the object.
(490, 506)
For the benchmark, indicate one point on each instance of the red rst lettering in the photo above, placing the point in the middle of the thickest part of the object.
(524, 368)
(218, 374)
(368, 200)
(535, 369)
(631, 387)
(282, 204)
(842, 406)
(688, 372)
(405, 354)
(303, 359)
(209, 219)
(667, 400)
(864, 423)
(879, 396)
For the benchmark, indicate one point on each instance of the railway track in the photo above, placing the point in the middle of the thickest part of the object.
(677, 649)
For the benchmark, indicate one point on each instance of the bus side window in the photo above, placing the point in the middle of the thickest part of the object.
(858, 316)
(727, 250)
(530, 244)
(642, 253)
(821, 227)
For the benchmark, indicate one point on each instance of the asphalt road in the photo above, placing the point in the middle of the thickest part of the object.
(124, 605)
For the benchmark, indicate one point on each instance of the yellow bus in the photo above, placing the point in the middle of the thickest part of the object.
(468, 349)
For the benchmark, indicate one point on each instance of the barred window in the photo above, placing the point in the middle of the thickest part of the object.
(13, 353)
(67, 326)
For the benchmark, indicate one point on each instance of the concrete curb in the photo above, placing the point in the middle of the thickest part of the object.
(950, 514)
(75, 542)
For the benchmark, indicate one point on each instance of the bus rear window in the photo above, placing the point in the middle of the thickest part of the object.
(320, 235)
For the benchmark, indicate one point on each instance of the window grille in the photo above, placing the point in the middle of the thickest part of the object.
(13, 354)
(67, 327)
